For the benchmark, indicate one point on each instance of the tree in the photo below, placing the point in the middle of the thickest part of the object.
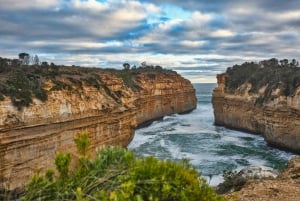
(284, 62)
(24, 58)
(273, 62)
(126, 66)
(23, 55)
(45, 63)
(294, 63)
(35, 60)
(144, 64)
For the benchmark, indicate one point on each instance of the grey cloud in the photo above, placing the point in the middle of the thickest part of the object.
(250, 29)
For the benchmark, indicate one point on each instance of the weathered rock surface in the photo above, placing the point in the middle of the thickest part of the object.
(258, 172)
(286, 187)
(30, 137)
(278, 120)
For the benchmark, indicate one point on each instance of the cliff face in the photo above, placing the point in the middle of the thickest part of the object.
(278, 119)
(31, 136)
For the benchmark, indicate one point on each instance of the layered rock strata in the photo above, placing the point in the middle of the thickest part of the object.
(278, 120)
(31, 136)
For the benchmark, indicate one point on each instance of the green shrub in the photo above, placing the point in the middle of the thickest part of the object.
(116, 174)
(1, 97)
(232, 182)
(62, 162)
(21, 86)
(92, 81)
(41, 94)
(59, 85)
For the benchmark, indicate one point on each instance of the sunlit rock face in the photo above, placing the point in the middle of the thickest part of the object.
(278, 120)
(31, 136)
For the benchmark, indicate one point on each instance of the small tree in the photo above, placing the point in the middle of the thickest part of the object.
(294, 63)
(144, 64)
(62, 163)
(35, 60)
(126, 66)
(24, 58)
(45, 64)
(284, 62)
(82, 142)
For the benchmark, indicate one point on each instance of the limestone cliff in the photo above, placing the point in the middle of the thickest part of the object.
(264, 100)
(109, 108)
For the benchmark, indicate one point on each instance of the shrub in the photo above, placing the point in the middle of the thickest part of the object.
(41, 94)
(232, 182)
(21, 86)
(1, 97)
(92, 81)
(18, 88)
(266, 73)
(116, 174)
(62, 162)
(59, 85)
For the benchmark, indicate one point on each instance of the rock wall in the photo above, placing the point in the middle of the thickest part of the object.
(30, 137)
(278, 120)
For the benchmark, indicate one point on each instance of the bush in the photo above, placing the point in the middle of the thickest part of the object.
(21, 86)
(59, 85)
(116, 174)
(41, 94)
(232, 182)
(266, 73)
(92, 81)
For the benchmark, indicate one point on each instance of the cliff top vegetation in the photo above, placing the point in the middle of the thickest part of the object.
(23, 79)
(272, 73)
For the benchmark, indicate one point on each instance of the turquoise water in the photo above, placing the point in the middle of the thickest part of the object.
(211, 149)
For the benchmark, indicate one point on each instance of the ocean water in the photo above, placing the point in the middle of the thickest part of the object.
(211, 149)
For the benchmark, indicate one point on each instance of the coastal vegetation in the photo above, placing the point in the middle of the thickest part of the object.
(116, 174)
(271, 73)
(233, 181)
(25, 78)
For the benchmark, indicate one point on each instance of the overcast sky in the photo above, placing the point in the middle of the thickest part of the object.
(198, 38)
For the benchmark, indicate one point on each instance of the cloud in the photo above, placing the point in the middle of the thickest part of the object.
(222, 33)
(18, 5)
(176, 33)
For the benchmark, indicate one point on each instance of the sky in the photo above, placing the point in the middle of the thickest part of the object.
(197, 38)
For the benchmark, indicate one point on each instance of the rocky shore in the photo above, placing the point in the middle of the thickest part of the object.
(285, 187)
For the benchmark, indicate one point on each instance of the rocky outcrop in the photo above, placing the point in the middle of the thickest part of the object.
(278, 119)
(31, 136)
(258, 172)
(284, 188)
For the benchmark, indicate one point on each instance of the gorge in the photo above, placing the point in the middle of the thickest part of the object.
(108, 104)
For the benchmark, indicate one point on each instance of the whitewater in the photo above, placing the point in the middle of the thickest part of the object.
(210, 149)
